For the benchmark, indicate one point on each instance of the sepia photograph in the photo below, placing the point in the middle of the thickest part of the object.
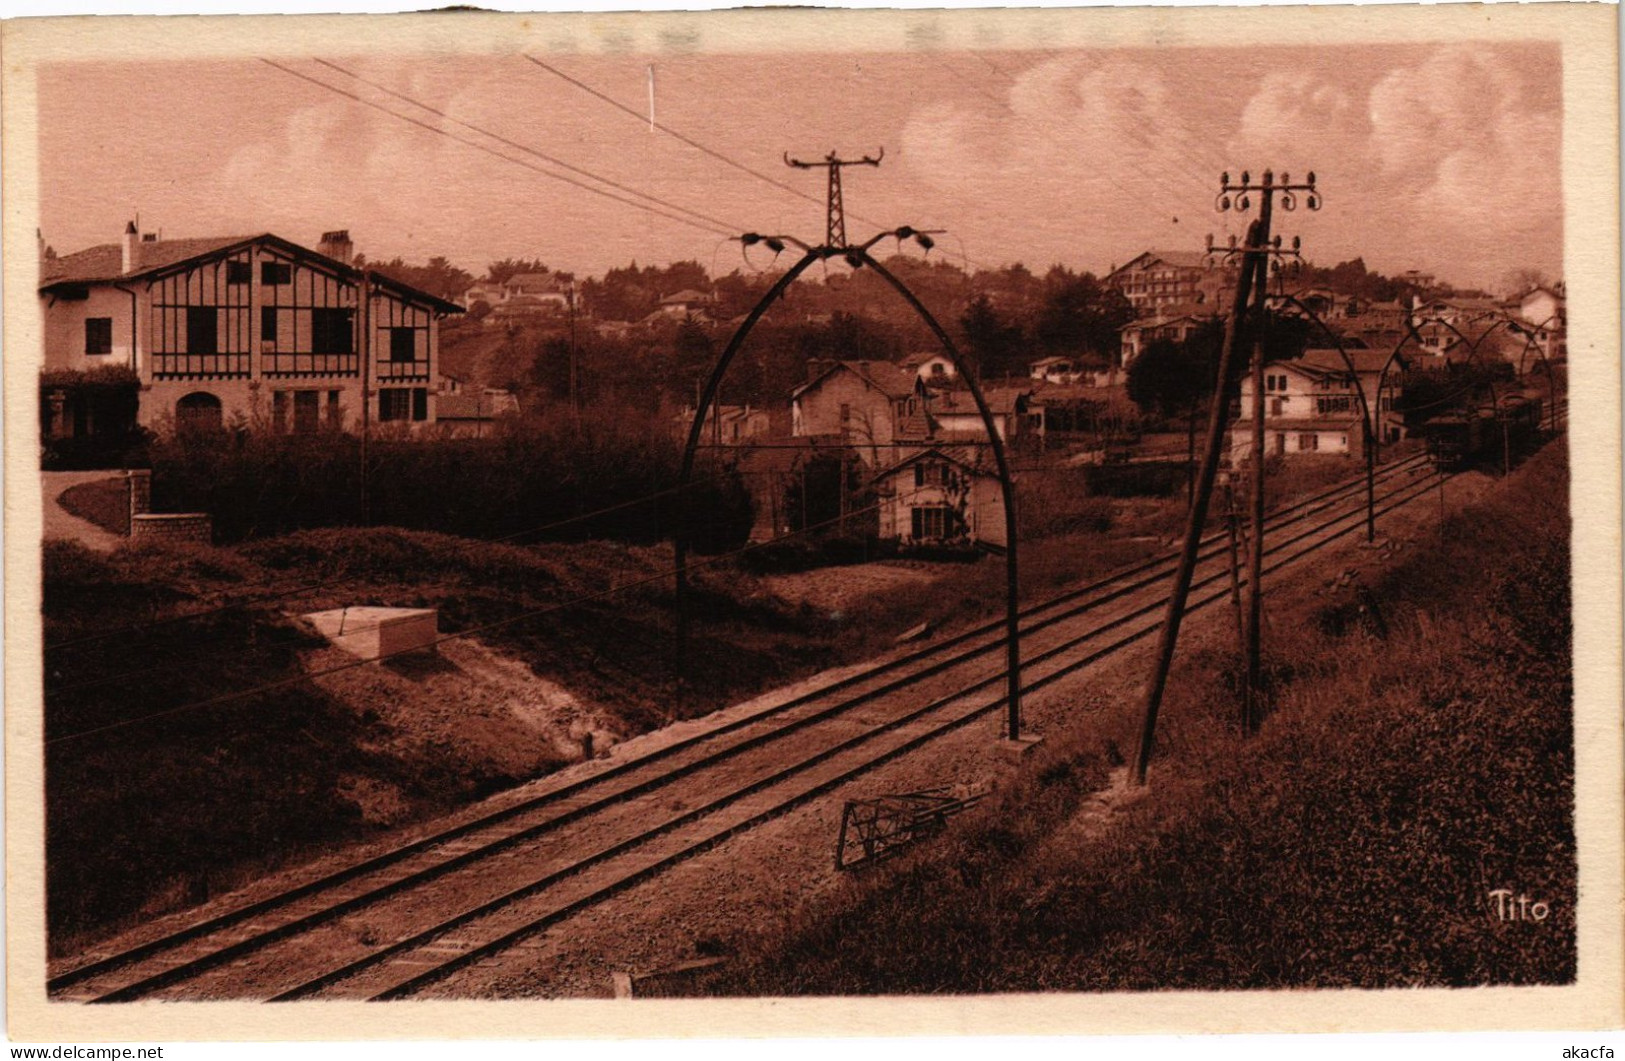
(1059, 513)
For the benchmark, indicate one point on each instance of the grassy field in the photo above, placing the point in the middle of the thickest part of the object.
(1418, 757)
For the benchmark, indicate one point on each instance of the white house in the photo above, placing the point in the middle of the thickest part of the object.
(250, 328)
(935, 369)
(942, 495)
(1313, 404)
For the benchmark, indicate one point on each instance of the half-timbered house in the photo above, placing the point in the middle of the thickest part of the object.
(251, 330)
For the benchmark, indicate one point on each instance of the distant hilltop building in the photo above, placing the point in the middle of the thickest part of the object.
(227, 327)
(1156, 280)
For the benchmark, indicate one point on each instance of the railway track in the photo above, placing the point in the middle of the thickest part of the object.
(394, 923)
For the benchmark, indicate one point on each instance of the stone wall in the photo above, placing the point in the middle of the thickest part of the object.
(190, 528)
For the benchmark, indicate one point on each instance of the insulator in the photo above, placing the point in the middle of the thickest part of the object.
(1311, 178)
(854, 260)
(925, 241)
(775, 245)
(1286, 178)
(1277, 242)
(1244, 204)
(1269, 178)
(1288, 201)
(1297, 242)
(1232, 242)
(1224, 203)
(1246, 177)
(905, 232)
(750, 239)
(1314, 202)
(1225, 178)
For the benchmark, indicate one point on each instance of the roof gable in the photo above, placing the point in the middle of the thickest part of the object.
(104, 263)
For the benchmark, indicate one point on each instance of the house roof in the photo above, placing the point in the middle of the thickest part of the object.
(1196, 312)
(1302, 423)
(1044, 362)
(915, 360)
(1330, 360)
(104, 263)
(969, 458)
(894, 381)
(688, 294)
(1178, 259)
(1001, 401)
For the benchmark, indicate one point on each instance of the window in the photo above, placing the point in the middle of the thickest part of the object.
(930, 473)
(275, 273)
(279, 411)
(202, 330)
(335, 414)
(1308, 442)
(846, 414)
(267, 324)
(932, 522)
(98, 335)
(1269, 383)
(330, 331)
(238, 272)
(936, 368)
(306, 412)
(1276, 406)
(403, 344)
(403, 403)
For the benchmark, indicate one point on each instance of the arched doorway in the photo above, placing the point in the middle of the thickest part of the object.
(198, 411)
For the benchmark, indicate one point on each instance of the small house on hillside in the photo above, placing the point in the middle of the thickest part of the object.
(935, 369)
(725, 425)
(1157, 280)
(1175, 323)
(689, 303)
(942, 495)
(470, 413)
(1015, 413)
(869, 405)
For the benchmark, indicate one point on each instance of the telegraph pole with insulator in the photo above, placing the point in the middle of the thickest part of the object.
(835, 227)
(1258, 261)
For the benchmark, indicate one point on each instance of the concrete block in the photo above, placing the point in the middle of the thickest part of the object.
(1020, 749)
(371, 633)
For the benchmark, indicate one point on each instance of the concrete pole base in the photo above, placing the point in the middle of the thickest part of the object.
(1018, 750)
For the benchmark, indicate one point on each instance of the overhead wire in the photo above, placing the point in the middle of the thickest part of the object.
(715, 230)
(524, 147)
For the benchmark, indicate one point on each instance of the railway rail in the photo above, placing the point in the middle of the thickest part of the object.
(464, 893)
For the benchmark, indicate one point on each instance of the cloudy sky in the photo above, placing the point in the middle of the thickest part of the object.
(1443, 158)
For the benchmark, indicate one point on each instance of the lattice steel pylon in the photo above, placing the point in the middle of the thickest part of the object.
(835, 227)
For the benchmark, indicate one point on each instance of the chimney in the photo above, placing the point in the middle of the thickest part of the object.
(132, 255)
(337, 245)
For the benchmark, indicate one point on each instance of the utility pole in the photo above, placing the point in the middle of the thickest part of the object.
(575, 398)
(366, 391)
(1259, 250)
(835, 227)
(1175, 613)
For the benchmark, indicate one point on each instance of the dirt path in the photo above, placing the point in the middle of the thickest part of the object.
(61, 524)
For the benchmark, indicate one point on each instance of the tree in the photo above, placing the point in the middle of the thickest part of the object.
(1080, 316)
(439, 277)
(993, 345)
(506, 269)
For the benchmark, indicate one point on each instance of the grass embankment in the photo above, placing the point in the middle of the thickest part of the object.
(106, 503)
(1411, 765)
(158, 814)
